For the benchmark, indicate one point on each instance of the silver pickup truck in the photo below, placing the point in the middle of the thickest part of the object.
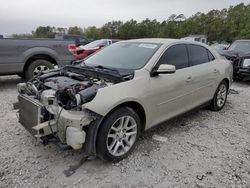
(28, 57)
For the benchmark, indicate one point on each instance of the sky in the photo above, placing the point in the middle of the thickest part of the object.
(23, 16)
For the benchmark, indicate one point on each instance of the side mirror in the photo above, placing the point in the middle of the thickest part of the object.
(164, 69)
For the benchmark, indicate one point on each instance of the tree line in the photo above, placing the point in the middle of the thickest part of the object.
(219, 25)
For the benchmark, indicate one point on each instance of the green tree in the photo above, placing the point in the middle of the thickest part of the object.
(112, 29)
(129, 30)
(44, 32)
(75, 30)
(148, 28)
(22, 36)
(92, 32)
(61, 30)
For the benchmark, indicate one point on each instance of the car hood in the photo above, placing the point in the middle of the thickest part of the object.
(233, 53)
(86, 48)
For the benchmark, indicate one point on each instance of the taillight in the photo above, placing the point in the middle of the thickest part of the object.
(72, 48)
(79, 51)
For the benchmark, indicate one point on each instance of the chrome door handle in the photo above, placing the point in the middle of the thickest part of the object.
(189, 79)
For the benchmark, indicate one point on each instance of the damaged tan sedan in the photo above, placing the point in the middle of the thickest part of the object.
(103, 103)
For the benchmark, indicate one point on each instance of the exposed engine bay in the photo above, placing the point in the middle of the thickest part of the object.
(70, 89)
(51, 103)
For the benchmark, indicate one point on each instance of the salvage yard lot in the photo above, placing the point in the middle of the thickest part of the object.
(202, 148)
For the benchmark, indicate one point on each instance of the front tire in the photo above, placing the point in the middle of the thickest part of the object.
(118, 134)
(220, 97)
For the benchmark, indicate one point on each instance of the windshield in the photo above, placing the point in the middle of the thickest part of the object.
(124, 55)
(96, 43)
(240, 46)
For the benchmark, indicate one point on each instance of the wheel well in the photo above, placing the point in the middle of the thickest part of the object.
(137, 108)
(227, 81)
(39, 56)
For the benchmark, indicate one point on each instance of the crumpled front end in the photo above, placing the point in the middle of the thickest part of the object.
(51, 106)
(47, 121)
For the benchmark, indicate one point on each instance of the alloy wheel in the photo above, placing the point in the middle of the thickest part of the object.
(121, 136)
(221, 95)
(39, 69)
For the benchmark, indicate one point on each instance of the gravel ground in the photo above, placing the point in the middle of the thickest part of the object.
(199, 149)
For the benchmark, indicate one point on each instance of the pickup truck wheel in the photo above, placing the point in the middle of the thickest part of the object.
(118, 135)
(36, 67)
(220, 97)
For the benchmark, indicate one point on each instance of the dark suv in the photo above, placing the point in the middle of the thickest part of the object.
(239, 53)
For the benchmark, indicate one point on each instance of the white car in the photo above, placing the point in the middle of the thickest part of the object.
(103, 104)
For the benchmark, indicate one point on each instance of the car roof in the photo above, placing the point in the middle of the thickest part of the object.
(154, 40)
(243, 40)
(166, 41)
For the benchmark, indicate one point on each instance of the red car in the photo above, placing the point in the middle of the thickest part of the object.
(86, 50)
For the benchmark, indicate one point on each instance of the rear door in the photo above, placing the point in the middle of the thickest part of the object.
(203, 73)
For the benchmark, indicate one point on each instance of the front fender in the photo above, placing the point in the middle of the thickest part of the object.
(108, 98)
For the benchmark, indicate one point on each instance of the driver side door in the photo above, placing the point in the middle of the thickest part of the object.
(171, 94)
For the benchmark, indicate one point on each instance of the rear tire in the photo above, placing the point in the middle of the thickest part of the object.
(220, 97)
(118, 134)
(36, 67)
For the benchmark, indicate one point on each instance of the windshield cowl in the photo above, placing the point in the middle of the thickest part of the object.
(113, 76)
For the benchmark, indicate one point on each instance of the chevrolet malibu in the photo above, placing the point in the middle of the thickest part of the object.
(106, 101)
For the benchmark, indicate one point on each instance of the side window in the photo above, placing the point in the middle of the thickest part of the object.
(175, 55)
(197, 55)
(210, 56)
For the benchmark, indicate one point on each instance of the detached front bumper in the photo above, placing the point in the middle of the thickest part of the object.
(70, 127)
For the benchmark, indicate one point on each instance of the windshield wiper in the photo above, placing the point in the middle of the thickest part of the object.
(103, 67)
(84, 65)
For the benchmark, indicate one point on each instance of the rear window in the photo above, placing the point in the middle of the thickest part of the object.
(197, 55)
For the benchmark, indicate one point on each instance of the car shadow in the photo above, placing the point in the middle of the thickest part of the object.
(243, 84)
(146, 145)
(176, 122)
